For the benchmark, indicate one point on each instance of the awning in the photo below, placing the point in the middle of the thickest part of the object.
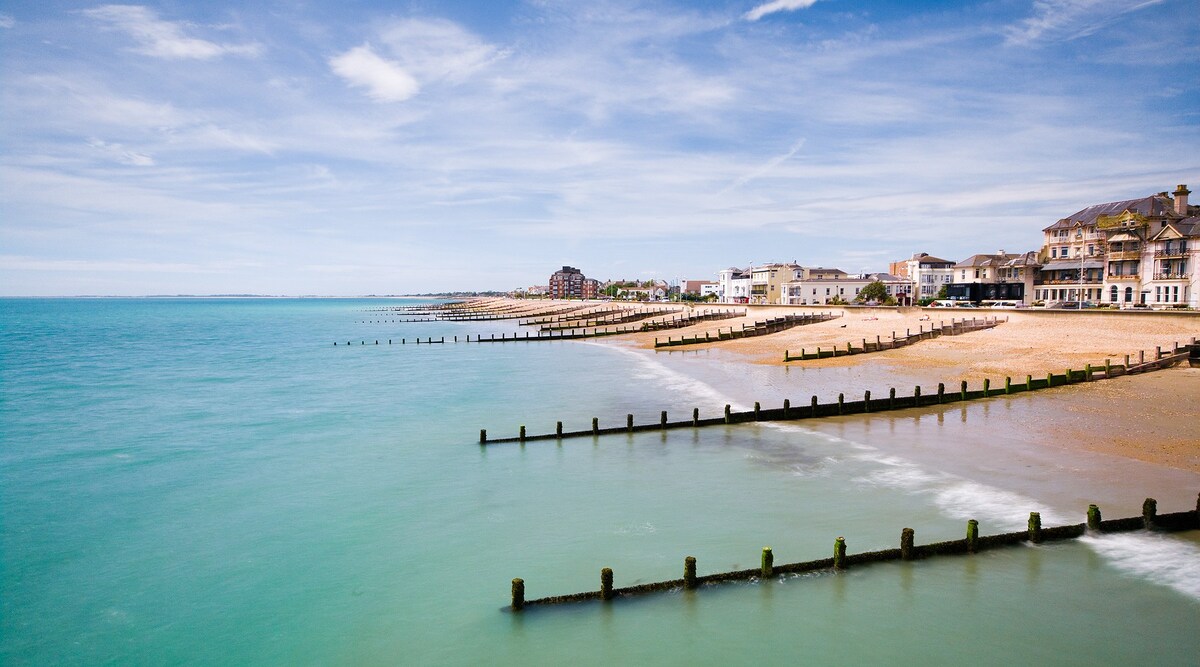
(1069, 264)
(1122, 237)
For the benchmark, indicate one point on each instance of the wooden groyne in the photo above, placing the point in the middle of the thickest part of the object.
(814, 409)
(841, 559)
(621, 317)
(758, 328)
(955, 328)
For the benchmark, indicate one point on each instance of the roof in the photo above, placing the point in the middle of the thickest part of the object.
(1006, 260)
(1154, 205)
(930, 259)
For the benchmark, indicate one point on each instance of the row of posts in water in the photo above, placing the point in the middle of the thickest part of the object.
(956, 328)
(868, 404)
(1035, 533)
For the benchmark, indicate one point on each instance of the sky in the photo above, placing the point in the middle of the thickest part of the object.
(354, 147)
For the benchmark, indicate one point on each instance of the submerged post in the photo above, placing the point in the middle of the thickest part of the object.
(558, 430)
(695, 416)
(1149, 513)
(518, 594)
(727, 413)
(595, 426)
(606, 587)
(768, 562)
(629, 423)
(972, 535)
(689, 572)
(867, 401)
(757, 409)
(787, 405)
(1093, 518)
(906, 544)
(963, 390)
(662, 419)
(839, 553)
(941, 392)
(522, 433)
(1035, 527)
(482, 436)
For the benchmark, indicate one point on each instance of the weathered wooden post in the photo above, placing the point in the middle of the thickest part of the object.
(987, 387)
(1035, 527)
(695, 416)
(522, 433)
(787, 405)
(727, 413)
(839, 553)
(606, 579)
(941, 392)
(1157, 352)
(1107, 368)
(1093, 518)
(1049, 380)
(482, 436)
(917, 395)
(768, 562)
(1141, 356)
(906, 544)
(629, 423)
(1028, 383)
(662, 419)
(1127, 362)
(1149, 513)
(518, 594)
(757, 409)
(841, 403)
(558, 430)
(963, 390)
(892, 397)
(1087, 373)
(1007, 385)
(689, 572)
(595, 426)
(867, 401)
(972, 535)
(814, 407)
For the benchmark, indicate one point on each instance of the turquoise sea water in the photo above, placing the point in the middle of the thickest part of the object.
(212, 481)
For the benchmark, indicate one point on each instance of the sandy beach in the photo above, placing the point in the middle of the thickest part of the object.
(1150, 417)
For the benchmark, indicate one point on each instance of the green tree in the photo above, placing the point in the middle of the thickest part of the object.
(876, 292)
(943, 293)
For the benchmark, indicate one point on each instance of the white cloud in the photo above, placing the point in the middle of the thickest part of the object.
(117, 152)
(438, 49)
(1070, 19)
(163, 39)
(7, 21)
(777, 6)
(385, 80)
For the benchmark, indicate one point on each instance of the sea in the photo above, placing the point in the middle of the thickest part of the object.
(214, 481)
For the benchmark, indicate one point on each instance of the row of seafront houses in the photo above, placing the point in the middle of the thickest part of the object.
(1134, 253)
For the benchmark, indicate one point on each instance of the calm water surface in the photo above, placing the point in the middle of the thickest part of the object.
(213, 481)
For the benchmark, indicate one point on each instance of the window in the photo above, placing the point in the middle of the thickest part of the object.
(1113, 294)
(1053, 252)
(976, 273)
(1128, 295)
(1091, 249)
(1175, 294)
(1157, 293)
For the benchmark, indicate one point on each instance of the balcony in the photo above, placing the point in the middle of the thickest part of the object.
(1123, 276)
(1074, 281)
(1124, 255)
(1171, 252)
(1171, 276)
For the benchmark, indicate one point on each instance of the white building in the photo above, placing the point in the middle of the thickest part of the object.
(733, 285)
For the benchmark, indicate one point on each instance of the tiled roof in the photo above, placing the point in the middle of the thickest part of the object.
(1154, 205)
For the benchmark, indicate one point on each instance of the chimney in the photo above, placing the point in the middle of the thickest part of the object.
(1181, 199)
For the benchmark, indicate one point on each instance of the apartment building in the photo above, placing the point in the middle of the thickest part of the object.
(926, 274)
(998, 277)
(570, 283)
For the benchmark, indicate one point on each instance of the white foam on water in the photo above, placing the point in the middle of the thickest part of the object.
(1161, 559)
(672, 380)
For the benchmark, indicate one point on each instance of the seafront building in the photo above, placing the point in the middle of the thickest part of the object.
(570, 283)
(926, 274)
(998, 277)
(1132, 253)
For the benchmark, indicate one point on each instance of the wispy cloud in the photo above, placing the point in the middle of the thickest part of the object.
(117, 152)
(1070, 19)
(7, 21)
(777, 6)
(385, 80)
(163, 39)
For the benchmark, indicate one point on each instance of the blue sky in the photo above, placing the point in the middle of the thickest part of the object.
(395, 147)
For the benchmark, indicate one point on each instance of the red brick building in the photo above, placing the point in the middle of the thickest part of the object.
(570, 283)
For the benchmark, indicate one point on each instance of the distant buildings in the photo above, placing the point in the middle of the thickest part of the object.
(926, 274)
(999, 277)
(570, 283)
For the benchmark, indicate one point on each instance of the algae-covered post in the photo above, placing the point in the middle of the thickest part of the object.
(689, 572)
(1093, 518)
(1035, 527)
(839, 553)
(518, 594)
(906, 543)
(1149, 513)
(606, 584)
(972, 535)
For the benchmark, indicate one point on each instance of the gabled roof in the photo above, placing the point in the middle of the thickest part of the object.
(1152, 206)
(1005, 260)
(930, 259)
(1187, 227)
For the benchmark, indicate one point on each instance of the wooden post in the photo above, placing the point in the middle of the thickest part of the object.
(756, 411)
(941, 392)
(689, 572)
(1093, 518)
(867, 401)
(987, 387)
(482, 436)
(841, 403)
(1007, 385)
(839, 553)
(662, 419)
(1049, 380)
(695, 416)
(1149, 513)
(787, 405)
(814, 407)
(1028, 383)
(595, 426)
(892, 397)
(917, 395)
(906, 544)
(972, 535)
(1035, 527)
(518, 594)
(727, 413)
(522, 433)
(963, 391)
(629, 423)
(768, 562)
(606, 579)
